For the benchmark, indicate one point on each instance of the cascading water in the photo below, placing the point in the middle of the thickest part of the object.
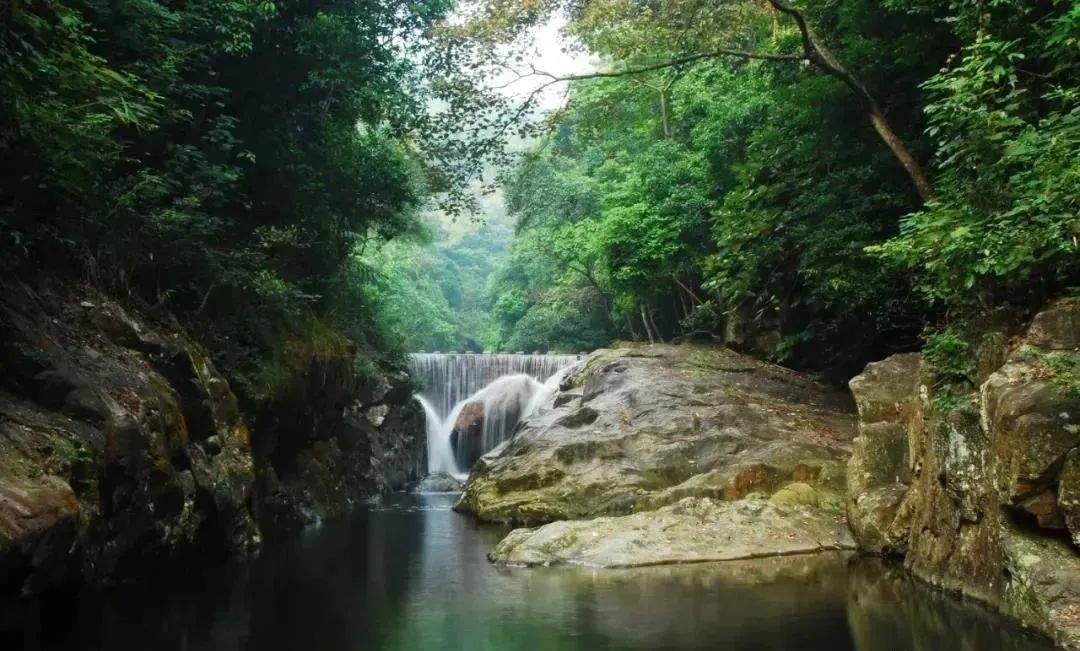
(474, 402)
(439, 453)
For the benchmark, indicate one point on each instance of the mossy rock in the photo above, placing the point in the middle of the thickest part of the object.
(796, 493)
(633, 430)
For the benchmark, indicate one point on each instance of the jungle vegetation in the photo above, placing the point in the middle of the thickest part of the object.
(819, 181)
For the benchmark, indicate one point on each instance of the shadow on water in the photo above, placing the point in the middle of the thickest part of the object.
(412, 575)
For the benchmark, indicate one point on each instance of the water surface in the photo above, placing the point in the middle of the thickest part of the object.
(412, 575)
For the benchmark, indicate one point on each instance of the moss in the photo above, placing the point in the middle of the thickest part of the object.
(311, 341)
(796, 493)
(1061, 368)
(78, 464)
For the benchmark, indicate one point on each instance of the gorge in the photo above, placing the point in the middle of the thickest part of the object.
(823, 255)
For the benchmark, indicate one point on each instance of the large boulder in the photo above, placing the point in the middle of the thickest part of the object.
(979, 492)
(693, 530)
(467, 435)
(639, 428)
(439, 482)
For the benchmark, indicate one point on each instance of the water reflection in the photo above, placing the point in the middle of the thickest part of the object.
(889, 610)
(412, 576)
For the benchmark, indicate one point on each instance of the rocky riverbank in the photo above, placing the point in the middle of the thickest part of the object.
(674, 454)
(976, 487)
(123, 450)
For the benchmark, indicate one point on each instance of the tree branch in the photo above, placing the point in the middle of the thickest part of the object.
(819, 55)
(693, 58)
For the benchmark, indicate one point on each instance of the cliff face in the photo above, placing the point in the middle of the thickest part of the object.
(331, 442)
(122, 448)
(979, 494)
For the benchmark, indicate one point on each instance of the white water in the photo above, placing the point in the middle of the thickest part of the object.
(509, 387)
(439, 453)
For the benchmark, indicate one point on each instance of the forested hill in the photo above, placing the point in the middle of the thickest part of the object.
(820, 182)
(220, 162)
(825, 183)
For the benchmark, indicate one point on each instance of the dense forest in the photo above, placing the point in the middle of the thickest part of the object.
(745, 187)
(822, 183)
(228, 163)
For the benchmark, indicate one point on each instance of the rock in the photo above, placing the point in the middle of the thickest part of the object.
(796, 494)
(1069, 494)
(467, 437)
(972, 490)
(690, 531)
(878, 471)
(440, 482)
(1041, 586)
(884, 392)
(120, 446)
(1057, 328)
(638, 428)
(123, 451)
(1034, 425)
(377, 415)
(322, 446)
(871, 516)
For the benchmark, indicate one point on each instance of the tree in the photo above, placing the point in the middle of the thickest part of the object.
(694, 48)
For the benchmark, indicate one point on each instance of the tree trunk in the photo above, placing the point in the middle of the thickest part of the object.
(645, 322)
(656, 331)
(819, 55)
(915, 171)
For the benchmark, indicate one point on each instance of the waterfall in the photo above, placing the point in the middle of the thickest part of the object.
(440, 455)
(487, 394)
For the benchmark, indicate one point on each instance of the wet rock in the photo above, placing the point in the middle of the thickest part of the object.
(377, 415)
(124, 454)
(467, 437)
(440, 482)
(690, 531)
(1041, 586)
(323, 448)
(638, 428)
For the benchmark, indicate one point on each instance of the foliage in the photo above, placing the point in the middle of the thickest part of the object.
(431, 291)
(752, 197)
(1063, 368)
(1005, 116)
(221, 161)
(949, 355)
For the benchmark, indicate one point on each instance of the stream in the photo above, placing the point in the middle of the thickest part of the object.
(411, 574)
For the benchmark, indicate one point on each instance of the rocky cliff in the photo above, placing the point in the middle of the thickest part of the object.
(123, 449)
(331, 441)
(978, 491)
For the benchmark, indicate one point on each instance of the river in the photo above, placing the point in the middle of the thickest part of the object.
(411, 575)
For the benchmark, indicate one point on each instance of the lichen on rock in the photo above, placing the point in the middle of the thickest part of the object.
(975, 492)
